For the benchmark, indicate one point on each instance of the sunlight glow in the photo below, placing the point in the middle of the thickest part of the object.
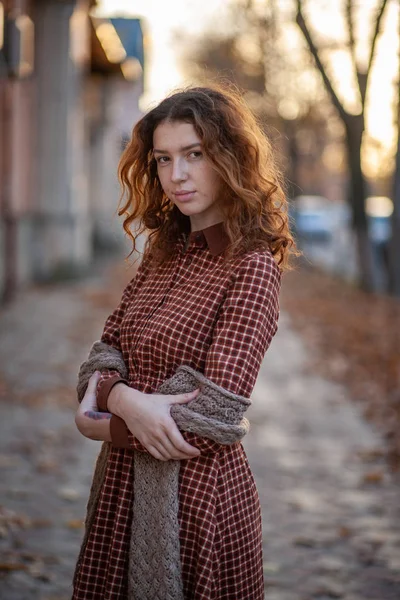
(163, 23)
(379, 206)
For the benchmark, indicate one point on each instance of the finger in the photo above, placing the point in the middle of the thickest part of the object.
(180, 444)
(168, 450)
(89, 400)
(93, 381)
(183, 398)
(155, 452)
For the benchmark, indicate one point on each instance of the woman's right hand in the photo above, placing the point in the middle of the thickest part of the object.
(148, 418)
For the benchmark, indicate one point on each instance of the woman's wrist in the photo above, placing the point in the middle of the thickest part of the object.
(119, 397)
(114, 399)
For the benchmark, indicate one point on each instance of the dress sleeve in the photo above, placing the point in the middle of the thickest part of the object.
(246, 324)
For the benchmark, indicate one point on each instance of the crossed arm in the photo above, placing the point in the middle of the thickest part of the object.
(247, 318)
(147, 416)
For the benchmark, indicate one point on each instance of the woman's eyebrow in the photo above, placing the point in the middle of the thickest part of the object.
(182, 149)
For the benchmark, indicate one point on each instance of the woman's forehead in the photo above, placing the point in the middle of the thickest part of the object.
(175, 134)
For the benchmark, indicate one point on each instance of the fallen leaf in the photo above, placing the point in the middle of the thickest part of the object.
(12, 567)
(344, 531)
(47, 465)
(75, 524)
(38, 523)
(373, 477)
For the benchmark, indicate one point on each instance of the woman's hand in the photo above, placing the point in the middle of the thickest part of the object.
(148, 418)
(89, 420)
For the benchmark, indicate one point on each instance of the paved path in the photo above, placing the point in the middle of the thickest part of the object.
(331, 511)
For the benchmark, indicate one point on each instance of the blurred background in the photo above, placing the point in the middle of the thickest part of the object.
(323, 78)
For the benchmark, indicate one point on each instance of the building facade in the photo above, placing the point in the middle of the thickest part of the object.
(63, 86)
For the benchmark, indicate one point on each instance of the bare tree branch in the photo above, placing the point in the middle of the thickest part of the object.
(315, 53)
(350, 30)
(352, 47)
(378, 22)
(394, 246)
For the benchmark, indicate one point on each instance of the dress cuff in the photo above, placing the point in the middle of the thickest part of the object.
(119, 432)
(106, 388)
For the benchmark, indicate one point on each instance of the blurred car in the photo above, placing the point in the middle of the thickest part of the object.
(317, 217)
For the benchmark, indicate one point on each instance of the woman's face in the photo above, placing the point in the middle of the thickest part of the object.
(187, 177)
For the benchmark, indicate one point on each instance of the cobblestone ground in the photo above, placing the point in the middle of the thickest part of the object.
(331, 509)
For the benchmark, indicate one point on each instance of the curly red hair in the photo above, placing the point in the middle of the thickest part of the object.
(255, 215)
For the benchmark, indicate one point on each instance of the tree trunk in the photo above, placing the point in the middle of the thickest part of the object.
(7, 216)
(394, 247)
(292, 174)
(357, 196)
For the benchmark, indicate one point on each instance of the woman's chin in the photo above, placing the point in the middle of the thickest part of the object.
(187, 210)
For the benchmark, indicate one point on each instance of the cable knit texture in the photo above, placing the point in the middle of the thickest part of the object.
(154, 559)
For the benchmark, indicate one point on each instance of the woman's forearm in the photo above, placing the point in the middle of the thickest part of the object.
(94, 425)
(91, 422)
(146, 416)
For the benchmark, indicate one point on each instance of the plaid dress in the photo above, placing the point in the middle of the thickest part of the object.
(219, 319)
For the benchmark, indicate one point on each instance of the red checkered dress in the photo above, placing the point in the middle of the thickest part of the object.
(196, 311)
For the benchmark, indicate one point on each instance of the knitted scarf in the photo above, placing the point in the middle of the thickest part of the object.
(154, 557)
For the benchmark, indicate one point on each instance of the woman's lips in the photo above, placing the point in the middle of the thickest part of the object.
(184, 196)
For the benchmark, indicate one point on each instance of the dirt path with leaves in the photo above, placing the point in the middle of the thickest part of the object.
(330, 506)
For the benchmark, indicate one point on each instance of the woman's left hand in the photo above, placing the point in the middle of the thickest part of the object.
(89, 420)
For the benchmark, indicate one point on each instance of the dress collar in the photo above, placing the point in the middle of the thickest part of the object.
(215, 237)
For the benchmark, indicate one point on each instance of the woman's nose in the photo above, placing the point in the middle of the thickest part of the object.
(179, 172)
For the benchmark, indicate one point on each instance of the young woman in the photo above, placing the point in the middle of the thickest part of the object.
(174, 511)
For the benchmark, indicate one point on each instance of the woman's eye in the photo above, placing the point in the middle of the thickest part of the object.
(162, 159)
(196, 154)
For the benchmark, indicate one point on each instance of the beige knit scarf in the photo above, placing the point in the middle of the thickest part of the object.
(154, 558)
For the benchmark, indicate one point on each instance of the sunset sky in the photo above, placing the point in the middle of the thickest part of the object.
(164, 21)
